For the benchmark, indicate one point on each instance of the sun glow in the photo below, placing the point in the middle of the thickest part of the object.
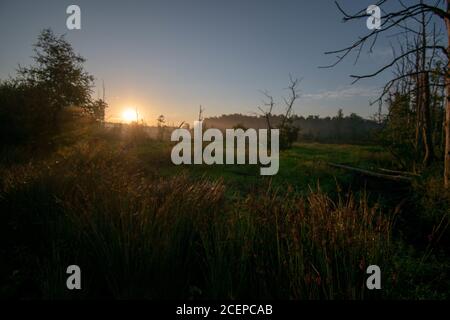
(129, 115)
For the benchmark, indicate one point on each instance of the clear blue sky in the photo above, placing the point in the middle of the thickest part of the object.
(168, 57)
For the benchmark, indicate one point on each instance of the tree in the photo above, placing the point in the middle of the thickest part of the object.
(398, 19)
(97, 109)
(288, 131)
(161, 121)
(269, 103)
(339, 119)
(200, 113)
(398, 134)
(23, 113)
(59, 72)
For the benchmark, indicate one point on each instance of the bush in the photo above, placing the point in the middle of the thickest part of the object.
(24, 113)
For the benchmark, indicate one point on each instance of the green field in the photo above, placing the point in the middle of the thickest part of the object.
(302, 167)
(139, 226)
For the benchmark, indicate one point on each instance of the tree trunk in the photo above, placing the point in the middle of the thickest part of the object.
(418, 129)
(447, 108)
(426, 125)
(424, 91)
(418, 144)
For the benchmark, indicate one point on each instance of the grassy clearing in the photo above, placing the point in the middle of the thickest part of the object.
(302, 167)
(140, 227)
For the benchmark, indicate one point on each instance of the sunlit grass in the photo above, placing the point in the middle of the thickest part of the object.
(140, 227)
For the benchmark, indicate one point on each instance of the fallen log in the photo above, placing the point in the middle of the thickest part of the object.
(404, 173)
(372, 173)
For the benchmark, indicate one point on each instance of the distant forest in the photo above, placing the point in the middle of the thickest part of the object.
(338, 129)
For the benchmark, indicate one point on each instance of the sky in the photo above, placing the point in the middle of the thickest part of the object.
(168, 57)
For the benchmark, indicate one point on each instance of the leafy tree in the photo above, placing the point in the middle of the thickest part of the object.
(398, 133)
(59, 72)
(97, 109)
(31, 104)
(23, 113)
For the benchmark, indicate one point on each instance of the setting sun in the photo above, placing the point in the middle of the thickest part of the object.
(129, 115)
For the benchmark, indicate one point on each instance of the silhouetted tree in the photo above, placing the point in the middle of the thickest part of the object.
(288, 132)
(161, 122)
(97, 109)
(59, 72)
(24, 113)
(268, 103)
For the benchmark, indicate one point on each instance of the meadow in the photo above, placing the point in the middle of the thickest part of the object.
(140, 227)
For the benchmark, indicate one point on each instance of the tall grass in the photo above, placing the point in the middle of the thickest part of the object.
(140, 235)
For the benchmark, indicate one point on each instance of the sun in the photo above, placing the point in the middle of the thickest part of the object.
(129, 115)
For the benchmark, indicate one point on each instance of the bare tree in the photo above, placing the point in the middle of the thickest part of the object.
(288, 132)
(290, 101)
(269, 103)
(200, 113)
(393, 20)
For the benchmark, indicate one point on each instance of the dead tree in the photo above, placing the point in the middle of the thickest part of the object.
(288, 132)
(424, 93)
(290, 101)
(389, 22)
(267, 113)
(200, 113)
(423, 84)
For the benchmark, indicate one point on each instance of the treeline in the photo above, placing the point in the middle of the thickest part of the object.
(351, 129)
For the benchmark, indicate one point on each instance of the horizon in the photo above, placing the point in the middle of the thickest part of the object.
(218, 117)
(219, 56)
